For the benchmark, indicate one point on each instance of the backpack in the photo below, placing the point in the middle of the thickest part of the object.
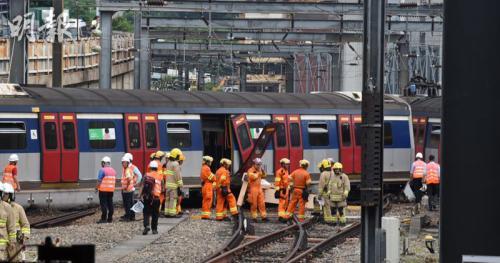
(147, 189)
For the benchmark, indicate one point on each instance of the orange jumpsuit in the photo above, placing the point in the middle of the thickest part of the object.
(281, 184)
(299, 179)
(224, 180)
(256, 194)
(207, 191)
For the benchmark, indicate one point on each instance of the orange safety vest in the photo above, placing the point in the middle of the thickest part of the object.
(419, 169)
(8, 175)
(433, 175)
(300, 178)
(128, 183)
(158, 178)
(109, 180)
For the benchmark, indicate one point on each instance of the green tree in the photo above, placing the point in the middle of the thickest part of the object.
(122, 24)
(84, 9)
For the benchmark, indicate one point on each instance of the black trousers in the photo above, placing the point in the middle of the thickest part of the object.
(106, 202)
(128, 202)
(151, 209)
(415, 185)
(433, 192)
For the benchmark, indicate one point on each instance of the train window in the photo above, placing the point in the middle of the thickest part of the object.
(179, 134)
(294, 135)
(387, 133)
(281, 135)
(134, 135)
(49, 129)
(102, 134)
(12, 135)
(318, 134)
(68, 131)
(256, 127)
(357, 133)
(420, 130)
(151, 135)
(435, 136)
(243, 136)
(345, 130)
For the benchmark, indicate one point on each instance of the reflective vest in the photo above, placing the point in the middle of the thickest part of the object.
(128, 179)
(8, 176)
(433, 173)
(158, 178)
(109, 180)
(419, 167)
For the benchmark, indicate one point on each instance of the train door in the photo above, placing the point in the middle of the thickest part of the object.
(419, 125)
(133, 137)
(69, 147)
(51, 151)
(281, 149)
(242, 135)
(346, 145)
(151, 139)
(356, 134)
(296, 150)
(433, 141)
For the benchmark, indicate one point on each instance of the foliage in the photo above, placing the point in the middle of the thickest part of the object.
(84, 9)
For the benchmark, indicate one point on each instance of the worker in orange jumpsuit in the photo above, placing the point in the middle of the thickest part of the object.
(181, 194)
(256, 194)
(300, 179)
(208, 184)
(281, 188)
(224, 194)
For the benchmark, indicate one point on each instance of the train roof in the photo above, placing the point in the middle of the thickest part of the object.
(147, 101)
(426, 106)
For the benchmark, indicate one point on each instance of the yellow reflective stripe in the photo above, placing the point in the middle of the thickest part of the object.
(180, 182)
(3, 220)
(211, 176)
(220, 214)
(4, 241)
(2, 224)
(171, 185)
(25, 230)
(206, 213)
(12, 235)
(169, 172)
(233, 209)
(17, 224)
(277, 179)
(223, 178)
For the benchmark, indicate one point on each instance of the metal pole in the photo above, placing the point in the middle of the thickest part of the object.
(57, 51)
(403, 78)
(105, 55)
(137, 46)
(372, 146)
(18, 48)
(144, 59)
(243, 77)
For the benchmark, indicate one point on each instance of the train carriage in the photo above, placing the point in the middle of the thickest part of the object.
(61, 134)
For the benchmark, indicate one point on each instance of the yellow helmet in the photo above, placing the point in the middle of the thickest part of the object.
(304, 163)
(325, 164)
(285, 161)
(337, 165)
(175, 153)
(159, 154)
(207, 159)
(152, 156)
(181, 158)
(225, 161)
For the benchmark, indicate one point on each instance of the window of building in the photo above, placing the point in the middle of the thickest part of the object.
(243, 136)
(345, 129)
(151, 141)
(134, 135)
(102, 134)
(281, 135)
(295, 135)
(68, 130)
(12, 135)
(318, 134)
(387, 133)
(179, 134)
(50, 137)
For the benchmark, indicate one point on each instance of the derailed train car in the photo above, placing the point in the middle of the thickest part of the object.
(61, 135)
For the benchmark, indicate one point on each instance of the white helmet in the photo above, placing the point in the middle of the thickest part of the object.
(257, 161)
(13, 158)
(8, 188)
(2, 188)
(125, 159)
(129, 156)
(153, 164)
(106, 159)
(419, 155)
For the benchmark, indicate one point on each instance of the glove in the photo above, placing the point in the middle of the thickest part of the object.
(305, 194)
(277, 194)
(224, 191)
(346, 193)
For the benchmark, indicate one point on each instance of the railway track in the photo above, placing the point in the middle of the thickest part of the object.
(61, 219)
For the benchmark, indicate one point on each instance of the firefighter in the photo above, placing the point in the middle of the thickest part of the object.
(338, 190)
(21, 222)
(281, 188)
(224, 194)
(300, 179)
(417, 174)
(208, 183)
(7, 228)
(106, 180)
(10, 172)
(325, 168)
(179, 192)
(173, 181)
(432, 179)
(256, 194)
